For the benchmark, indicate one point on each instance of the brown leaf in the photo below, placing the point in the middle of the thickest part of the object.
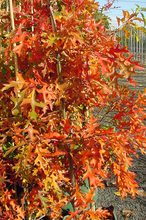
(127, 213)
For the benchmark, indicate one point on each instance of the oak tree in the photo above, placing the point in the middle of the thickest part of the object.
(67, 124)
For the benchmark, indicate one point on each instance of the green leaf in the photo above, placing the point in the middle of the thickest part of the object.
(76, 147)
(33, 115)
(144, 19)
(4, 147)
(15, 111)
(86, 186)
(137, 9)
(143, 9)
(4, 71)
(12, 68)
(10, 151)
(68, 207)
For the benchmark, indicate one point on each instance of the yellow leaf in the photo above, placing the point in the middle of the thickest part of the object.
(126, 14)
(118, 20)
(117, 193)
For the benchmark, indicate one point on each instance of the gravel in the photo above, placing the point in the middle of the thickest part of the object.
(129, 208)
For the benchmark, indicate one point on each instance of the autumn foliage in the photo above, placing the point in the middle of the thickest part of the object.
(67, 124)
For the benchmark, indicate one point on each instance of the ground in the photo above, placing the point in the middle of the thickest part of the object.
(129, 208)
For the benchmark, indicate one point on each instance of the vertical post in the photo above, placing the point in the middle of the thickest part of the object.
(142, 51)
(7, 10)
(12, 15)
(32, 17)
(137, 46)
(134, 43)
(131, 37)
(13, 28)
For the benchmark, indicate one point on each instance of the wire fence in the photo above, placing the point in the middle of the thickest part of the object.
(136, 43)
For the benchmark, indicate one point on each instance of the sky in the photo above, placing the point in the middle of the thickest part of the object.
(120, 5)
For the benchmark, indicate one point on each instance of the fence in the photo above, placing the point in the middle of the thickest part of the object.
(136, 43)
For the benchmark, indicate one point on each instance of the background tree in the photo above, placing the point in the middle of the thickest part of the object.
(59, 65)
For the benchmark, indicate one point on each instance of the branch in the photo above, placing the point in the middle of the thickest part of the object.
(59, 69)
(53, 22)
(60, 80)
(12, 15)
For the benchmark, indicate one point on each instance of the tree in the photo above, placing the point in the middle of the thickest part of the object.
(67, 125)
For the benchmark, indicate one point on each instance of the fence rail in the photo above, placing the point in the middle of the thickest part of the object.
(136, 43)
